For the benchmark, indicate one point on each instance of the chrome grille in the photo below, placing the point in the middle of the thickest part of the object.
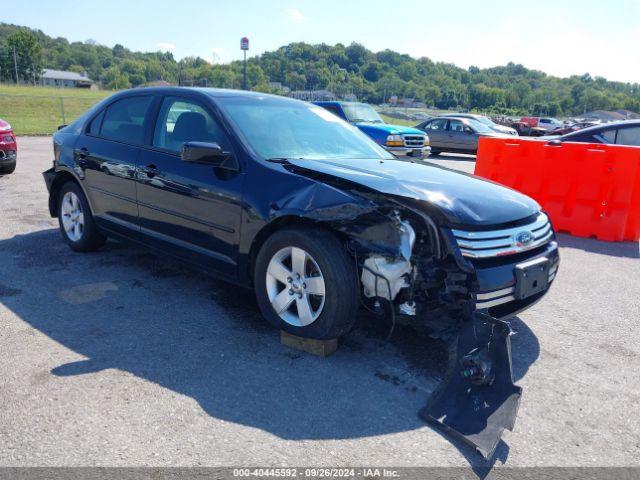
(413, 141)
(498, 243)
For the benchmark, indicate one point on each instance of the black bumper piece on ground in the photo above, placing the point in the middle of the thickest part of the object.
(478, 398)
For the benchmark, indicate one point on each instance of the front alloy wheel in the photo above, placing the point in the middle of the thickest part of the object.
(306, 282)
(295, 286)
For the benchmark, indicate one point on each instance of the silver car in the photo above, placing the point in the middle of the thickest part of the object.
(485, 120)
(459, 135)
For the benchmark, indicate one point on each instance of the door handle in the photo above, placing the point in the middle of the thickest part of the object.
(150, 170)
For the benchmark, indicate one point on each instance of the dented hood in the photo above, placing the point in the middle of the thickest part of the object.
(460, 198)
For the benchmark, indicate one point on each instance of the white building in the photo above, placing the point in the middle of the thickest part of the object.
(59, 78)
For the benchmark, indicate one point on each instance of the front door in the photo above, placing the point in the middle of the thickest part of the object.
(192, 209)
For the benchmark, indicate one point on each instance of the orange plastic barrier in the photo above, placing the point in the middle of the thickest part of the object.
(588, 190)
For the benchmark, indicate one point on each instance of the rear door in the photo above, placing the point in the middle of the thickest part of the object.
(458, 138)
(190, 209)
(107, 152)
(436, 129)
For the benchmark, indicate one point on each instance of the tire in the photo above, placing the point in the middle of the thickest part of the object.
(9, 169)
(73, 211)
(327, 262)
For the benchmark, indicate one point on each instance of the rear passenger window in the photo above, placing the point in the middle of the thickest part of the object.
(124, 119)
(609, 135)
(438, 124)
(96, 123)
(629, 136)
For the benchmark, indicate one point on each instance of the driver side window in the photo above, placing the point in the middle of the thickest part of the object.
(181, 121)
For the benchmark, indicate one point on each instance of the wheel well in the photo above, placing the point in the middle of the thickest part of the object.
(285, 221)
(56, 185)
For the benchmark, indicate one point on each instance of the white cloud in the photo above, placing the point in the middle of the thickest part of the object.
(165, 46)
(295, 15)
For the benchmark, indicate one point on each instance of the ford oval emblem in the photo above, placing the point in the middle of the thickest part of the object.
(523, 238)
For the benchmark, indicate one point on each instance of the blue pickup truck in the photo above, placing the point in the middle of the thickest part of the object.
(397, 139)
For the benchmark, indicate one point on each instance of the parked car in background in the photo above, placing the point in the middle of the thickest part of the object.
(526, 130)
(8, 148)
(458, 135)
(397, 139)
(545, 123)
(625, 132)
(572, 127)
(485, 120)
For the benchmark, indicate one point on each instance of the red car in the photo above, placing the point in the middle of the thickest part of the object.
(8, 148)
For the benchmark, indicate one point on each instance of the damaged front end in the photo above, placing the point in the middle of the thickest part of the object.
(408, 273)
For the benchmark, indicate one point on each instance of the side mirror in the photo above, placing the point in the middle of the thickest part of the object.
(468, 130)
(208, 153)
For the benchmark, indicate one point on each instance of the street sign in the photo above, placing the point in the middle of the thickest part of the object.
(244, 43)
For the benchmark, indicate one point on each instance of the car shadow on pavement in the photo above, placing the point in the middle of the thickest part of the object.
(591, 245)
(124, 308)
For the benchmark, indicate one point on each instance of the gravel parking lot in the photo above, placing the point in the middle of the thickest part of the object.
(120, 358)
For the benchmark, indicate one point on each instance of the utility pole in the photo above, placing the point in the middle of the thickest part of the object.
(15, 63)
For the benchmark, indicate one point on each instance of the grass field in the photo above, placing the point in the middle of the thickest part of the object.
(399, 121)
(40, 110)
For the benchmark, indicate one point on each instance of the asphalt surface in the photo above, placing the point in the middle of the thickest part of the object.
(120, 358)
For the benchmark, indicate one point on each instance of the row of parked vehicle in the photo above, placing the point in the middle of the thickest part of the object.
(461, 132)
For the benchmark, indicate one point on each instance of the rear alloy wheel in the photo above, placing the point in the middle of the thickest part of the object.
(76, 222)
(72, 216)
(306, 283)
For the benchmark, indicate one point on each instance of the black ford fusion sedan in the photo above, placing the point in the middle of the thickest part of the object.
(284, 197)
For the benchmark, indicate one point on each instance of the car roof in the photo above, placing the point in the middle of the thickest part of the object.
(461, 115)
(448, 117)
(604, 126)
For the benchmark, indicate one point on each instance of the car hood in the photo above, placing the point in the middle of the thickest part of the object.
(388, 129)
(458, 198)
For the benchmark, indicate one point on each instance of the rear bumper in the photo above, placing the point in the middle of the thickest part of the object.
(49, 176)
(497, 284)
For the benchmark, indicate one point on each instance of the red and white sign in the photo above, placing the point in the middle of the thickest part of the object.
(244, 43)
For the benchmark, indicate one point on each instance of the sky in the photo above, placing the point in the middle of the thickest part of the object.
(559, 37)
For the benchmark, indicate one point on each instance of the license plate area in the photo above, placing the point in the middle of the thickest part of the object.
(531, 277)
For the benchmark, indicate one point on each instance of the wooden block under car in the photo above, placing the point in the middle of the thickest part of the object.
(320, 348)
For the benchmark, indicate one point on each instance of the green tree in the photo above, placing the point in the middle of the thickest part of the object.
(26, 51)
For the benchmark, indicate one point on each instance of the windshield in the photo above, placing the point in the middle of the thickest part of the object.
(361, 112)
(280, 128)
(479, 127)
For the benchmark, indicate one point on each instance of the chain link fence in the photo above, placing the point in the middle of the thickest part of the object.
(42, 114)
